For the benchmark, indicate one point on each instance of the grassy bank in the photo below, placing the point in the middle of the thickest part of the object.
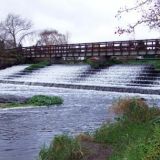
(105, 63)
(135, 135)
(38, 100)
(154, 62)
(37, 66)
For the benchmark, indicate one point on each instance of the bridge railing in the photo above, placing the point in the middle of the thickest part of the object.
(114, 48)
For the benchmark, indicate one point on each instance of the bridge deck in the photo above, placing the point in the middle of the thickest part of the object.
(114, 48)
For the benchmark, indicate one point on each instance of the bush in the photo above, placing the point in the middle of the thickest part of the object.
(153, 62)
(42, 100)
(135, 110)
(62, 148)
(85, 137)
(136, 133)
(37, 66)
(101, 63)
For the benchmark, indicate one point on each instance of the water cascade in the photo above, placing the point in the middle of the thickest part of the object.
(121, 78)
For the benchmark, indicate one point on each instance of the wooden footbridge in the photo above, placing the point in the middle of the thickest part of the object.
(112, 48)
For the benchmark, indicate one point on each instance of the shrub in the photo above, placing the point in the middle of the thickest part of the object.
(135, 110)
(62, 148)
(136, 133)
(84, 137)
(153, 62)
(120, 134)
(101, 63)
(37, 66)
(41, 100)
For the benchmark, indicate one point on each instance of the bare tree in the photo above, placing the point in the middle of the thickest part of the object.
(150, 15)
(52, 37)
(14, 29)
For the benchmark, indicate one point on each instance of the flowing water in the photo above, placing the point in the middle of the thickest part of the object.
(24, 131)
(128, 76)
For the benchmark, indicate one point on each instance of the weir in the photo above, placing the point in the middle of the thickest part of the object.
(121, 78)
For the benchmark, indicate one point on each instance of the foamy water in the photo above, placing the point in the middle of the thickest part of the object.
(118, 75)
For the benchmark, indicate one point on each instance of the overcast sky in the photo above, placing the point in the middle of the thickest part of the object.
(85, 20)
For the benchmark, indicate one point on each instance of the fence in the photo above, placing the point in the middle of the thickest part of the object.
(114, 48)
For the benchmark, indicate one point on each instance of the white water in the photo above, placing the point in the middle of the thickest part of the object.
(118, 75)
(4, 73)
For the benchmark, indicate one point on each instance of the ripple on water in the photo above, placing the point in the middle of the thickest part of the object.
(24, 131)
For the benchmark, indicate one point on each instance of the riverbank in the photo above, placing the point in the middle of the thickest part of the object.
(100, 63)
(134, 135)
(154, 62)
(37, 100)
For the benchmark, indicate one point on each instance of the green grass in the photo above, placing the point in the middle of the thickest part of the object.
(62, 148)
(154, 62)
(135, 135)
(101, 64)
(38, 100)
(122, 137)
(41, 100)
(37, 66)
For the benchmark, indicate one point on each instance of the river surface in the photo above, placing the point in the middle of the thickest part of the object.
(24, 131)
